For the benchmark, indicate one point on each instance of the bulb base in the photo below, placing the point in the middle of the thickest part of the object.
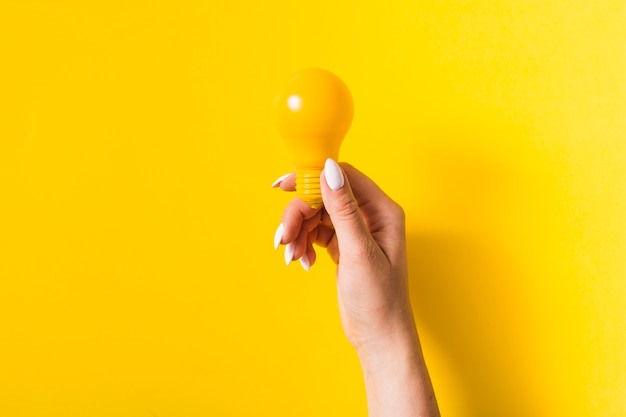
(308, 186)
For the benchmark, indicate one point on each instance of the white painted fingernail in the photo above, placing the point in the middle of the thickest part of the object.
(279, 180)
(278, 236)
(334, 175)
(304, 261)
(289, 249)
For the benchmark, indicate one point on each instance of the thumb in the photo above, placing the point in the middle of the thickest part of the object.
(343, 210)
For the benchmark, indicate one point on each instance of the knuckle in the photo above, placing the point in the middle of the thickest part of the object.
(346, 208)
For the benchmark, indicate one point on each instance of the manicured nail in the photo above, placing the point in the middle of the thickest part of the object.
(278, 236)
(304, 261)
(334, 176)
(289, 249)
(279, 180)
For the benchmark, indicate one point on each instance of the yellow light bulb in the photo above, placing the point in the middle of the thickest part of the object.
(313, 114)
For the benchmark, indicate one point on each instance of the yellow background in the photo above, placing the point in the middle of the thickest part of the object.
(137, 149)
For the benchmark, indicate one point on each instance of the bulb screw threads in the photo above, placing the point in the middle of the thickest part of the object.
(308, 186)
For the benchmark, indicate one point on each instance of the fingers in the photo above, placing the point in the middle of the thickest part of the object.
(308, 258)
(298, 216)
(364, 189)
(297, 231)
(383, 217)
(286, 182)
(353, 236)
(353, 206)
(301, 227)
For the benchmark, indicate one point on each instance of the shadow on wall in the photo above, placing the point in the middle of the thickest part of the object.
(482, 210)
(459, 295)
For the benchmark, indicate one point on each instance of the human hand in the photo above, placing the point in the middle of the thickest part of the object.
(363, 231)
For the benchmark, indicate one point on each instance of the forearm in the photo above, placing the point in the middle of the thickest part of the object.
(396, 378)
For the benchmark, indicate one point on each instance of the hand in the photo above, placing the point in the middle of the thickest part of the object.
(363, 231)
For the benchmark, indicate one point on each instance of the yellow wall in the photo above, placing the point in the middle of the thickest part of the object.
(137, 274)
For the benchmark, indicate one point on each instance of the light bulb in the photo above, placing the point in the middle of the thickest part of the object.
(313, 114)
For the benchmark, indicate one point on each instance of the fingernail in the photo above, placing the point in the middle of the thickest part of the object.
(279, 180)
(304, 261)
(289, 249)
(334, 176)
(278, 236)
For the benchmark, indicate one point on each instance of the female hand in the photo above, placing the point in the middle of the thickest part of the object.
(363, 231)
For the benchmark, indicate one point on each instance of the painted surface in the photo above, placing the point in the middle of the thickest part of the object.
(137, 274)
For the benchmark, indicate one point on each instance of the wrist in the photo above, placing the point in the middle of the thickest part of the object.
(393, 329)
(396, 378)
(399, 343)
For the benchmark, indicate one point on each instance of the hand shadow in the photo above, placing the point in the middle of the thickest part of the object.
(468, 282)
(460, 299)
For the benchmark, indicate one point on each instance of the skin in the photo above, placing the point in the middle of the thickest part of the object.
(363, 231)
